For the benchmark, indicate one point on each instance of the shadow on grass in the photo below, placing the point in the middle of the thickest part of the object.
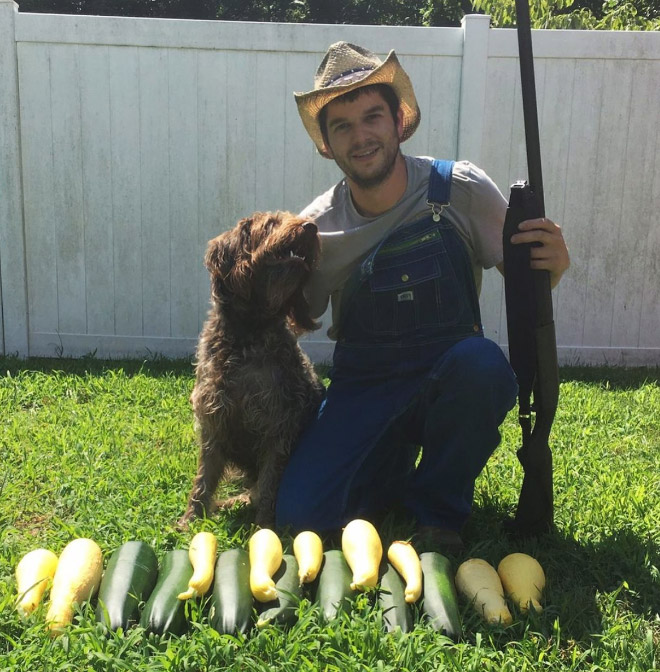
(621, 564)
(584, 579)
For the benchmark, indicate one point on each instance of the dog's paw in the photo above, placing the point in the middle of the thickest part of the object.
(265, 517)
(184, 522)
(230, 502)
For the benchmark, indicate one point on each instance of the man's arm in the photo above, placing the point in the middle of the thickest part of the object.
(551, 255)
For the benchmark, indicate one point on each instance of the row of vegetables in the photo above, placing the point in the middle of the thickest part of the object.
(133, 589)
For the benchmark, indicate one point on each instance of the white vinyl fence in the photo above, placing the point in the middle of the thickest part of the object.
(126, 144)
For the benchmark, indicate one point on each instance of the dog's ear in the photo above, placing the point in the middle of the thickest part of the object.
(213, 259)
(228, 261)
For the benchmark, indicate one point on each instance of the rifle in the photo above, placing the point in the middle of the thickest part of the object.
(530, 325)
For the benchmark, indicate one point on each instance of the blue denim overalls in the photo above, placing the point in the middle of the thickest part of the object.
(409, 304)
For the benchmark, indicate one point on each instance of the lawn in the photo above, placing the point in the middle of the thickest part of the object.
(107, 450)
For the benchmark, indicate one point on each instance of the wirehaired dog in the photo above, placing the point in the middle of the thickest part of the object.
(255, 389)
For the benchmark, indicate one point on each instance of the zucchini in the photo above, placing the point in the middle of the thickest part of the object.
(231, 602)
(334, 590)
(164, 611)
(282, 609)
(128, 579)
(392, 600)
(440, 603)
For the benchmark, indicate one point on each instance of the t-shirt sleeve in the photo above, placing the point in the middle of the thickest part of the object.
(486, 212)
(317, 291)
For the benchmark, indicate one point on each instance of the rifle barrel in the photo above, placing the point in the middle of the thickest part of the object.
(530, 113)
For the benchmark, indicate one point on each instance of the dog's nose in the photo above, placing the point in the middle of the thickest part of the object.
(310, 227)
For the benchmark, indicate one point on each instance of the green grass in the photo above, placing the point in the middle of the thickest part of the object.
(107, 450)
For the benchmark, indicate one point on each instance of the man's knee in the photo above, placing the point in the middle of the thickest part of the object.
(477, 368)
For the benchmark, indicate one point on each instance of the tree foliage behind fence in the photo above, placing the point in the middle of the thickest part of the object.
(585, 14)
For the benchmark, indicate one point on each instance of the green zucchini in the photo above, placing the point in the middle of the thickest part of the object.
(391, 598)
(128, 579)
(333, 591)
(440, 603)
(231, 603)
(282, 610)
(164, 611)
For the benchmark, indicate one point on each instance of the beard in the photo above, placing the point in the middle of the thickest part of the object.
(374, 176)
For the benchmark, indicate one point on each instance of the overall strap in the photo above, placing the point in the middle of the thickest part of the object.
(440, 184)
(438, 199)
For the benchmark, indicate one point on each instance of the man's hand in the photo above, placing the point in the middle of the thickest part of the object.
(552, 254)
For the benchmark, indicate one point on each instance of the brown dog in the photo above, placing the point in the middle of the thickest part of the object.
(255, 388)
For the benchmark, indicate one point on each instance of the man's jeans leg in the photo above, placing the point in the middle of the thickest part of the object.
(457, 419)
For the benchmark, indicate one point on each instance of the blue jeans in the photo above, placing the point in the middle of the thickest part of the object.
(349, 465)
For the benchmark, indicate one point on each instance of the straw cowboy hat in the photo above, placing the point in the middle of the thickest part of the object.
(346, 67)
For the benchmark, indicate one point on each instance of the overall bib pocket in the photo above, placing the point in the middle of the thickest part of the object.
(411, 286)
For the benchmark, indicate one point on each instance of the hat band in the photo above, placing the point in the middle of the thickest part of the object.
(350, 76)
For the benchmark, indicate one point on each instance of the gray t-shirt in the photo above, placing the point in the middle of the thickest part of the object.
(477, 210)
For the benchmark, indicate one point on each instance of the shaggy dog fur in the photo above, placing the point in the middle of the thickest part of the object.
(255, 388)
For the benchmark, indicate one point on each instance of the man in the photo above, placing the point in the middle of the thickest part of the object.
(404, 241)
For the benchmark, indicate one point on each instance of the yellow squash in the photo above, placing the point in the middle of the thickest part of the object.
(76, 579)
(308, 551)
(480, 583)
(405, 560)
(202, 552)
(34, 573)
(523, 580)
(265, 550)
(363, 551)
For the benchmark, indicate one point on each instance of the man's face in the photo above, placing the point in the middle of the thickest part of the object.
(363, 138)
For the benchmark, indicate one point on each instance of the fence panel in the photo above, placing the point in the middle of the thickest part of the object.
(141, 139)
(598, 113)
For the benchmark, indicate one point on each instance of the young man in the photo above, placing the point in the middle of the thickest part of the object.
(404, 241)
